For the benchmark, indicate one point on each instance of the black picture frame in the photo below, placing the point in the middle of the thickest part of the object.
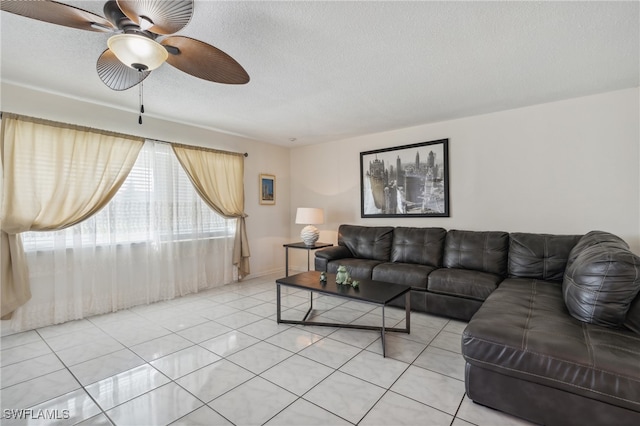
(421, 189)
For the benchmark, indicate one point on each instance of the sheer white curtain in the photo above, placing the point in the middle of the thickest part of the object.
(54, 176)
(154, 241)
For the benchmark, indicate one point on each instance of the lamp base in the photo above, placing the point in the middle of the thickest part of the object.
(310, 235)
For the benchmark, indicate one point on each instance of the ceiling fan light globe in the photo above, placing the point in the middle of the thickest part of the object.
(134, 50)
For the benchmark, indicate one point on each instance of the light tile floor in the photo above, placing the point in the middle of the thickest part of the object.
(220, 358)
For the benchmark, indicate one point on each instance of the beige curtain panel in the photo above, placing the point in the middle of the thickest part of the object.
(54, 176)
(219, 179)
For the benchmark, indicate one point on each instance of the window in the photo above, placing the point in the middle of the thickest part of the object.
(155, 240)
(157, 203)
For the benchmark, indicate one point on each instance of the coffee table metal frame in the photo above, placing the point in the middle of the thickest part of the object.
(310, 281)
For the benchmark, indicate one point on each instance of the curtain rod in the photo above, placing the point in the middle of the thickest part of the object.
(61, 125)
(203, 148)
(57, 123)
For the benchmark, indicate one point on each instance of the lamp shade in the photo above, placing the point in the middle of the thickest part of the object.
(309, 216)
(137, 51)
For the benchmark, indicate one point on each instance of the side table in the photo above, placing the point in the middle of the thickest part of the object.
(302, 246)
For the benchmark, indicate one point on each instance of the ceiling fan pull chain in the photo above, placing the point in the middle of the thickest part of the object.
(141, 97)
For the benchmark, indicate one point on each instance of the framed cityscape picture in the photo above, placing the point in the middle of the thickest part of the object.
(406, 181)
(267, 189)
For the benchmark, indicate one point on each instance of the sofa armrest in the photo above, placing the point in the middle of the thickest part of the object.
(325, 255)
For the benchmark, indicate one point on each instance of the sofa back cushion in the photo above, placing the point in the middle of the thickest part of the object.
(367, 242)
(478, 251)
(423, 246)
(540, 256)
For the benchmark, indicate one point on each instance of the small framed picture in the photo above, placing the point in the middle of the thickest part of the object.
(267, 189)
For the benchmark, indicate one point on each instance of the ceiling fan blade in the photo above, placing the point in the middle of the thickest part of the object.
(204, 61)
(57, 13)
(115, 74)
(158, 16)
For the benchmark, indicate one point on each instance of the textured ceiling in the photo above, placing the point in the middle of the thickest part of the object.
(324, 71)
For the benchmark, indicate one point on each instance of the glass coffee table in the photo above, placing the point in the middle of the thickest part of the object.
(369, 291)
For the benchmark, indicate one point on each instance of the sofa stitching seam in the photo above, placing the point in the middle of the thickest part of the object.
(550, 357)
(587, 339)
(620, 348)
(558, 381)
(526, 329)
(598, 292)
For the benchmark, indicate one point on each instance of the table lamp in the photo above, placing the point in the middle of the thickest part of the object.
(309, 216)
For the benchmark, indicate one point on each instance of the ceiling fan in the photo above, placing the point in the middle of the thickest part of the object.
(141, 39)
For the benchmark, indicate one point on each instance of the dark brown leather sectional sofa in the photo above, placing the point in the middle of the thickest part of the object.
(554, 320)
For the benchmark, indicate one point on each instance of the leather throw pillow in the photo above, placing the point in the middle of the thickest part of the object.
(600, 284)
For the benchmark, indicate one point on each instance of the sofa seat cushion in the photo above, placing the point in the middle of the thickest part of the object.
(523, 330)
(403, 273)
(474, 285)
(358, 268)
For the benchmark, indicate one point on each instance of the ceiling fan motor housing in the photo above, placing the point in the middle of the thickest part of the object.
(114, 15)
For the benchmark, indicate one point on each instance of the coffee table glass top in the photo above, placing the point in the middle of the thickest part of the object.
(368, 290)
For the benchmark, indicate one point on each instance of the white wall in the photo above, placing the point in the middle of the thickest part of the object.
(267, 226)
(565, 167)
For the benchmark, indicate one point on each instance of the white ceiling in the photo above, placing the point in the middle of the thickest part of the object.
(323, 71)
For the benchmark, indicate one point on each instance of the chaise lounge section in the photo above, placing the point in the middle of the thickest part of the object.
(528, 354)
(554, 320)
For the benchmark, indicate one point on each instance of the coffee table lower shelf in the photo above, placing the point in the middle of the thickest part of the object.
(310, 281)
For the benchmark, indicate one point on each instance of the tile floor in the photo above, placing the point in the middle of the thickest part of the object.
(220, 358)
